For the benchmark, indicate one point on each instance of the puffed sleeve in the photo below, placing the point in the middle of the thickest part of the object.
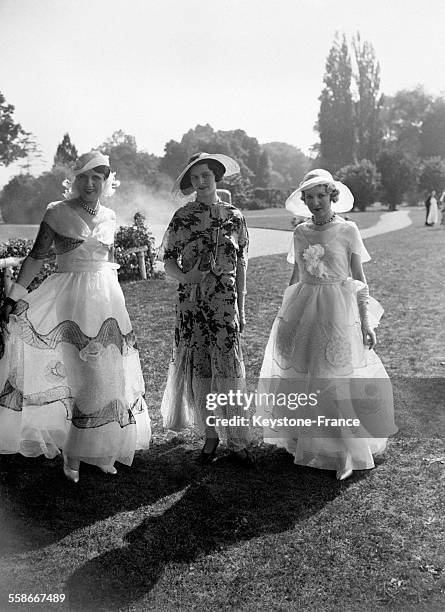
(356, 243)
(291, 249)
(45, 237)
(174, 239)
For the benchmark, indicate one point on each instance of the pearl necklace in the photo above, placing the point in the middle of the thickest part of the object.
(90, 211)
(322, 222)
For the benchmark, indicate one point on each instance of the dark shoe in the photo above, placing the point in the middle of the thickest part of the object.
(208, 458)
(246, 459)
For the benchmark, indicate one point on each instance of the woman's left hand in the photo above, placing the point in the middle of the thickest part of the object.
(369, 337)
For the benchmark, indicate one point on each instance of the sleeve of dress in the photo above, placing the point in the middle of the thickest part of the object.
(356, 243)
(243, 241)
(173, 240)
(43, 241)
(291, 248)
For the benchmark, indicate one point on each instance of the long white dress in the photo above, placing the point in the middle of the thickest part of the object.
(70, 377)
(433, 213)
(316, 346)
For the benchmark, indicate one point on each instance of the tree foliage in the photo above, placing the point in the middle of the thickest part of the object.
(369, 101)
(255, 167)
(335, 118)
(402, 118)
(288, 165)
(25, 198)
(131, 164)
(363, 180)
(398, 175)
(349, 123)
(235, 143)
(432, 136)
(15, 143)
(432, 174)
(66, 153)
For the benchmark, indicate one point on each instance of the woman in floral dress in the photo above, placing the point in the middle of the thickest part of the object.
(205, 249)
(70, 377)
(322, 341)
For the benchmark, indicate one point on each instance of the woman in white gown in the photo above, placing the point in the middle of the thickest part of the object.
(70, 376)
(322, 341)
(433, 210)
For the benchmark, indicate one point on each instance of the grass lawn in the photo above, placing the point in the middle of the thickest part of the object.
(17, 231)
(168, 535)
(281, 219)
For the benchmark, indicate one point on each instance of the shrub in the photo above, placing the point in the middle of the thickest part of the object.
(274, 198)
(130, 236)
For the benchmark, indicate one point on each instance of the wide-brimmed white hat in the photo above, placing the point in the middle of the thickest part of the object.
(295, 204)
(185, 187)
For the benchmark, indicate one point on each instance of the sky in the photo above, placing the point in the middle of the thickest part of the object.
(157, 68)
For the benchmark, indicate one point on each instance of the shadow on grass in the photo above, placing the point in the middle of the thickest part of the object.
(40, 506)
(224, 505)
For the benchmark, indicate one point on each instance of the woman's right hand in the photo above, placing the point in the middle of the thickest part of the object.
(194, 276)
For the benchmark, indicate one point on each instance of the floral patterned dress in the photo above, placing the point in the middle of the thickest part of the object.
(207, 356)
(316, 345)
(71, 378)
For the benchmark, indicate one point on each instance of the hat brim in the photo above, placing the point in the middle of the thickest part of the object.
(296, 206)
(94, 159)
(231, 167)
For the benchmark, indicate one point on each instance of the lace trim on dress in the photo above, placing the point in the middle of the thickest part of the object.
(46, 237)
(114, 412)
(70, 332)
(11, 397)
(64, 244)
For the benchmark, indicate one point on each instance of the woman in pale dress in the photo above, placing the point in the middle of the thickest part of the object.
(70, 376)
(432, 210)
(322, 341)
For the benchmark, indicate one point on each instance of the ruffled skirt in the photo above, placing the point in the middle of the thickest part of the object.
(316, 346)
(71, 378)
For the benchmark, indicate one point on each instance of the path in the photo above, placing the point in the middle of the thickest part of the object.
(273, 242)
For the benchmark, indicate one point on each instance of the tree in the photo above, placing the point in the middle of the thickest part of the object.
(432, 174)
(289, 165)
(369, 102)
(402, 118)
(25, 198)
(398, 175)
(130, 164)
(235, 143)
(432, 136)
(363, 180)
(262, 178)
(335, 118)
(14, 141)
(66, 153)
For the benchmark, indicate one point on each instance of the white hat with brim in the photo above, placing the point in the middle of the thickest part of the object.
(230, 165)
(295, 204)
